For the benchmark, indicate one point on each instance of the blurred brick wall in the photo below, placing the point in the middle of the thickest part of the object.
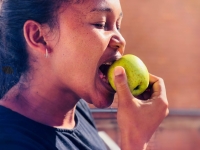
(166, 36)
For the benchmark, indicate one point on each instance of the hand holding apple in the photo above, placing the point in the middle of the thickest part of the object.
(138, 120)
(136, 71)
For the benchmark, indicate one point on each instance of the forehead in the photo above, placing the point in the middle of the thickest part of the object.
(88, 6)
(112, 4)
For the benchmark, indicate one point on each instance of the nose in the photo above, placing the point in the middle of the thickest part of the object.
(117, 42)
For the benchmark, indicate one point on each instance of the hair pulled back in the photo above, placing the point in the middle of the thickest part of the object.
(13, 54)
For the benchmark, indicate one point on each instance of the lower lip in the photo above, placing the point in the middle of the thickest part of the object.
(107, 85)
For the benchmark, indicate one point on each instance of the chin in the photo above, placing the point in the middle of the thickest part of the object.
(103, 102)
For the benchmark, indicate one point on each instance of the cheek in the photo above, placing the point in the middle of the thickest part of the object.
(81, 51)
(94, 43)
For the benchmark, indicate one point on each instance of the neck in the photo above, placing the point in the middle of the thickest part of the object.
(49, 107)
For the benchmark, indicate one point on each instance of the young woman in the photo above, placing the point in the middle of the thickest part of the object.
(55, 50)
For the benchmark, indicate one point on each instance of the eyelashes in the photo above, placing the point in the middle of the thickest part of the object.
(100, 25)
(105, 26)
(118, 27)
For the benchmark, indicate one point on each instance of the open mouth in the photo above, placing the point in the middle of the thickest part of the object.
(104, 70)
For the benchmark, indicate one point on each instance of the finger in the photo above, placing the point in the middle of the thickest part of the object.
(158, 87)
(153, 78)
(123, 91)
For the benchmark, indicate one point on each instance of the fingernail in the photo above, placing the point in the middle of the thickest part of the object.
(118, 71)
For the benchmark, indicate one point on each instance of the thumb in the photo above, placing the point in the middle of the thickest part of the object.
(122, 88)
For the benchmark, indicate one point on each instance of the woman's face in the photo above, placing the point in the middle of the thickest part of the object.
(89, 38)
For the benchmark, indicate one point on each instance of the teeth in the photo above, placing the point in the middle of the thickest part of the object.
(105, 80)
(108, 63)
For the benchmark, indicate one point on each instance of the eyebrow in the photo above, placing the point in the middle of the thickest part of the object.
(104, 9)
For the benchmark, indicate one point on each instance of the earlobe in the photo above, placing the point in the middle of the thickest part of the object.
(34, 36)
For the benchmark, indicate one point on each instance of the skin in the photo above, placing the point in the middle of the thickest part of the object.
(87, 35)
(137, 131)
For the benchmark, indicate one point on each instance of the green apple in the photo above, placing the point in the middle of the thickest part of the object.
(136, 71)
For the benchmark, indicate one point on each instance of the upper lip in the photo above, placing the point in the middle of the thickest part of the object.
(110, 59)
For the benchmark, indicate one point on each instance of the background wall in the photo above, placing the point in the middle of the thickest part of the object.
(166, 36)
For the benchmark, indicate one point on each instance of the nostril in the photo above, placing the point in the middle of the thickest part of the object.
(117, 46)
(115, 42)
(121, 50)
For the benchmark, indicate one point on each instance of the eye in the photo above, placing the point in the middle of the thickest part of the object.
(118, 28)
(100, 25)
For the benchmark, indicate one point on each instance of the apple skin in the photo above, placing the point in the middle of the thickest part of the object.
(136, 71)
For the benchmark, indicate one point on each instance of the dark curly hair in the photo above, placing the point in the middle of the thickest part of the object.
(13, 54)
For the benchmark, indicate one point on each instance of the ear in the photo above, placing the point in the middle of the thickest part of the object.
(34, 36)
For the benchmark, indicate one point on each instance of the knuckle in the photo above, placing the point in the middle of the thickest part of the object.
(162, 102)
(122, 86)
(121, 83)
(161, 79)
(163, 106)
(167, 112)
